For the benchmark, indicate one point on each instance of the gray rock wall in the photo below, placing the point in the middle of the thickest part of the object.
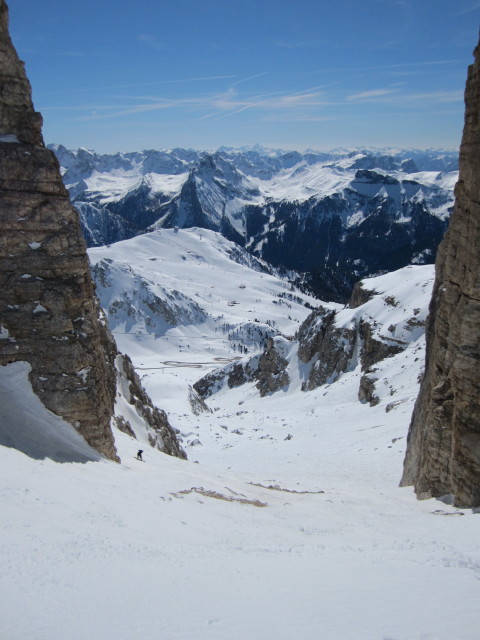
(48, 311)
(443, 454)
(17, 115)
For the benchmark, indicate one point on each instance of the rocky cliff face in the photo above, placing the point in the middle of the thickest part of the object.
(18, 119)
(160, 433)
(49, 314)
(443, 455)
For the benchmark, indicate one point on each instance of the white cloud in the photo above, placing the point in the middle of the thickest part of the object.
(374, 93)
(218, 104)
(391, 96)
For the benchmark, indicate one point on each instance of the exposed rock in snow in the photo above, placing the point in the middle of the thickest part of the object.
(197, 404)
(366, 390)
(28, 426)
(272, 366)
(142, 417)
(52, 314)
(332, 341)
(325, 347)
(360, 295)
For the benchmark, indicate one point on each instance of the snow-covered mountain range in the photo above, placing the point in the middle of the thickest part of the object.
(331, 217)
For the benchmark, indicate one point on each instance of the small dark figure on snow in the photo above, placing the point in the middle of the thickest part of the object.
(139, 455)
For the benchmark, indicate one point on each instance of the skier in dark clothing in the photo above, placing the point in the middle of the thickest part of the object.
(139, 455)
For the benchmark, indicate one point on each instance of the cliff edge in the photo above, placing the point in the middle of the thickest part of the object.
(443, 453)
(48, 311)
(50, 316)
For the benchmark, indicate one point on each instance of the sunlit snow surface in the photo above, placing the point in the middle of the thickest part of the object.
(285, 523)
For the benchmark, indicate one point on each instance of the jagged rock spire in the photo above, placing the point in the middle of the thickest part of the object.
(443, 454)
(49, 315)
(17, 115)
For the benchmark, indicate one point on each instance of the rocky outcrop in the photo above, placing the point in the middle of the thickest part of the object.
(374, 349)
(197, 404)
(360, 295)
(268, 370)
(325, 346)
(331, 345)
(366, 389)
(443, 454)
(160, 433)
(18, 119)
(272, 366)
(49, 314)
(233, 375)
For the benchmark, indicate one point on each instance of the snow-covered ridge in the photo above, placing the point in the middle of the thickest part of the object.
(198, 280)
(282, 176)
(334, 217)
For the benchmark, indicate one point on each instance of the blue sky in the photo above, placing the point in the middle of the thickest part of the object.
(126, 76)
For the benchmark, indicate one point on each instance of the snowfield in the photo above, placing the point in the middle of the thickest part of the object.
(285, 523)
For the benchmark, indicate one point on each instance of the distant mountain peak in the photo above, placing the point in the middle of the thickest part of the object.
(333, 217)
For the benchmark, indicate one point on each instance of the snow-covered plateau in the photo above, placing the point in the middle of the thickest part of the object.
(286, 521)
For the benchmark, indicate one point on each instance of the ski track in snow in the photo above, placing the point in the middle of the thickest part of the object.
(285, 523)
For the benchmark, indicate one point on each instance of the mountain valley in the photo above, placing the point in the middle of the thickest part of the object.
(288, 503)
(204, 417)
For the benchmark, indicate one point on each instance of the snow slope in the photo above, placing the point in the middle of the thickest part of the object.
(286, 522)
(193, 285)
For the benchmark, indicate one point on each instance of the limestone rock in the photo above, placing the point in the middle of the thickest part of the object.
(235, 374)
(268, 370)
(328, 348)
(49, 314)
(161, 434)
(366, 390)
(17, 115)
(272, 366)
(331, 347)
(360, 295)
(373, 350)
(197, 404)
(443, 453)
(47, 304)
